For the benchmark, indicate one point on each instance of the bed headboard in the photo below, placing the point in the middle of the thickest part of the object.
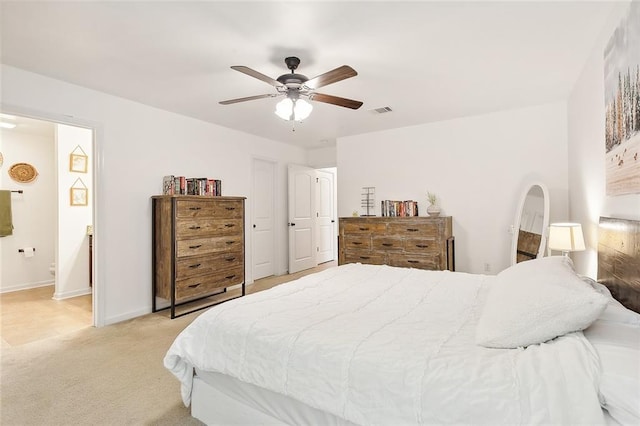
(619, 259)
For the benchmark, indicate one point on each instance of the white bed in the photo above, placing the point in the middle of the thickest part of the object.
(365, 344)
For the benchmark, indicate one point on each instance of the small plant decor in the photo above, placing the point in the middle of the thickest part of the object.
(433, 209)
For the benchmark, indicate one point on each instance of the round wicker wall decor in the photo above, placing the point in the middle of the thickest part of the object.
(23, 172)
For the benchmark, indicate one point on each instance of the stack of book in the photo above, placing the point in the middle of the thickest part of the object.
(180, 185)
(399, 208)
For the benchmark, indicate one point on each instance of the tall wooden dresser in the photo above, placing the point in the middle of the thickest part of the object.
(415, 242)
(198, 248)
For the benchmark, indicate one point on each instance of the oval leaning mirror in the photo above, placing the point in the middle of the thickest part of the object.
(532, 219)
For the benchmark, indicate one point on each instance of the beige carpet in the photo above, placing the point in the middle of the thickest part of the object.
(96, 376)
(102, 376)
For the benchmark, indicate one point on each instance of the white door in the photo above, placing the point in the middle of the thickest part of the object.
(263, 238)
(325, 221)
(302, 247)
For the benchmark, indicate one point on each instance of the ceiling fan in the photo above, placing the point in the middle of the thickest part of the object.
(294, 86)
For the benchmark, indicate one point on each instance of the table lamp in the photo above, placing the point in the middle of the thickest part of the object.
(566, 237)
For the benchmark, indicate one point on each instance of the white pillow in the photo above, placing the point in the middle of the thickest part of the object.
(615, 311)
(535, 301)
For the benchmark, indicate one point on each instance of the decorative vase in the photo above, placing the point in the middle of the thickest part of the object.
(433, 210)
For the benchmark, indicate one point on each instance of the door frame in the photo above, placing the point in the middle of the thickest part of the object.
(98, 311)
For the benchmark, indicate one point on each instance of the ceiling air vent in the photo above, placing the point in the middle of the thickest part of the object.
(381, 110)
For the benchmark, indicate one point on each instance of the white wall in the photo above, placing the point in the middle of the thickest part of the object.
(33, 212)
(322, 157)
(588, 200)
(478, 166)
(135, 146)
(72, 257)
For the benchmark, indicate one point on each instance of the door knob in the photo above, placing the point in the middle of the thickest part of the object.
(254, 225)
(291, 224)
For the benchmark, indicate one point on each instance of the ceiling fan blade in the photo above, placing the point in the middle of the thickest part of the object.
(258, 75)
(335, 100)
(248, 98)
(329, 77)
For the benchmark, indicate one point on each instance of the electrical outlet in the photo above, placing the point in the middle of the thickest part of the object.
(487, 267)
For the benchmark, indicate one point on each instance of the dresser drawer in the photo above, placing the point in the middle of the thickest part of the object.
(409, 230)
(194, 227)
(363, 256)
(200, 246)
(386, 243)
(203, 284)
(201, 265)
(428, 246)
(357, 242)
(362, 227)
(227, 209)
(418, 261)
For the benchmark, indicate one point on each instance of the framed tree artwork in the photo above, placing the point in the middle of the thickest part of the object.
(622, 105)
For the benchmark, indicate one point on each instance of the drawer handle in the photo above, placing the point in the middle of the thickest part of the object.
(387, 244)
(230, 242)
(363, 229)
(230, 276)
(422, 245)
(194, 227)
(365, 257)
(195, 208)
(412, 230)
(413, 261)
(194, 285)
(356, 243)
(229, 225)
(230, 208)
(197, 265)
(230, 259)
(195, 247)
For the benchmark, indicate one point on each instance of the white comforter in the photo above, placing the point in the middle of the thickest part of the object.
(389, 346)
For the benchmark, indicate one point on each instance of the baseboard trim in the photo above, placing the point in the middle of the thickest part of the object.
(28, 286)
(70, 294)
(127, 316)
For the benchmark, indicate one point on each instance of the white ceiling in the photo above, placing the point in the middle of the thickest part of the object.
(428, 61)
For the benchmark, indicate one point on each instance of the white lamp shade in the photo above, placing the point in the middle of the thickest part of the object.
(297, 110)
(566, 237)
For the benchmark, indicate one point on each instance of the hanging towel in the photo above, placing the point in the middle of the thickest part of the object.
(6, 223)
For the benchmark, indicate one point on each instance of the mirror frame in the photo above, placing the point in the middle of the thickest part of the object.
(518, 221)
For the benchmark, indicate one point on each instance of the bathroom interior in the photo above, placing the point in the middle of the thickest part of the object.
(46, 260)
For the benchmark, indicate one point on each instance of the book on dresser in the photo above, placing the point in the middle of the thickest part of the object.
(198, 251)
(180, 185)
(414, 242)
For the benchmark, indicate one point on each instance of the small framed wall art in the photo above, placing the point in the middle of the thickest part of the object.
(78, 160)
(79, 194)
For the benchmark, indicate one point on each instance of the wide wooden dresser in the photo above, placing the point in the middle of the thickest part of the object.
(414, 242)
(198, 249)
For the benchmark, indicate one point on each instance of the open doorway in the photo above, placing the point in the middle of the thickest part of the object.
(46, 261)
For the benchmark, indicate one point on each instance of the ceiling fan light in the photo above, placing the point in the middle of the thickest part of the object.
(302, 109)
(291, 110)
(284, 109)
